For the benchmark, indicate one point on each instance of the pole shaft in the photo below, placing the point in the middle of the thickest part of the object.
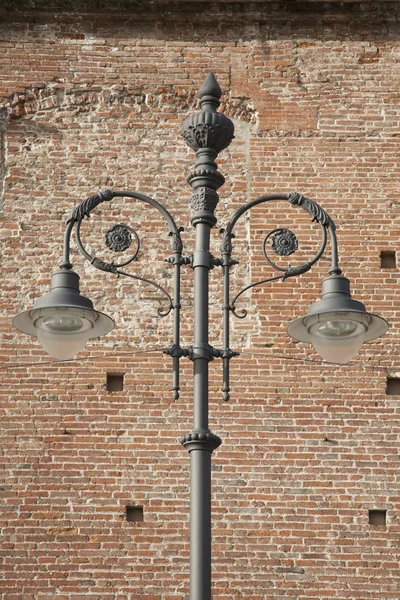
(200, 525)
(200, 366)
(200, 459)
(206, 132)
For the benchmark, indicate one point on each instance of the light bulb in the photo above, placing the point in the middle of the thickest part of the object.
(337, 341)
(63, 335)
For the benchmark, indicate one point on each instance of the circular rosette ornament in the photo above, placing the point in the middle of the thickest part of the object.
(284, 242)
(119, 238)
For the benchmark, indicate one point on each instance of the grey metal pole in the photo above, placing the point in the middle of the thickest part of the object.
(200, 525)
(207, 132)
(200, 459)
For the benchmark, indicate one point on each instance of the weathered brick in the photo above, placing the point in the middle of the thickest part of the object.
(92, 100)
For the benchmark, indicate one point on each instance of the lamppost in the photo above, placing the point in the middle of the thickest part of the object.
(63, 320)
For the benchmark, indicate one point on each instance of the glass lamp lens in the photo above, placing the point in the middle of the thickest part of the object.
(63, 336)
(337, 341)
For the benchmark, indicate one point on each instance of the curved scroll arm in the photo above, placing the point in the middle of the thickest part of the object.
(321, 216)
(84, 209)
(290, 271)
(161, 312)
(244, 311)
(317, 213)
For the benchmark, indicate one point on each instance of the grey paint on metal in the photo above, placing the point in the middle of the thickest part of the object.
(64, 293)
(207, 133)
(336, 302)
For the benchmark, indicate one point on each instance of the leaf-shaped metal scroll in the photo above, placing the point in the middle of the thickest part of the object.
(293, 271)
(86, 206)
(103, 266)
(177, 245)
(318, 214)
(226, 243)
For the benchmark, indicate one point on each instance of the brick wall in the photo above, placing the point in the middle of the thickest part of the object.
(93, 99)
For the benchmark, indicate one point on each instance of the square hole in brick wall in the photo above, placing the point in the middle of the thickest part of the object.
(377, 517)
(115, 382)
(393, 386)
(388, 259)
(134, 513)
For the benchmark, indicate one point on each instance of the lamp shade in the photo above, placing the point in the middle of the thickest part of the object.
(63, 320)
(337, 325)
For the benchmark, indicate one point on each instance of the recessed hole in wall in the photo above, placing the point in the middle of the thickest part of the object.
(134, 513)
(377, 517)
(393, 386)
(388, 259)
(115, 382)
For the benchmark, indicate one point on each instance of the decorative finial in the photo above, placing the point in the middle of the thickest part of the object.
(210, 92)
(207, 132)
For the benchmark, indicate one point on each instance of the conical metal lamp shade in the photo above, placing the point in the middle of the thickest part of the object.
(63, 299)
(336, 304)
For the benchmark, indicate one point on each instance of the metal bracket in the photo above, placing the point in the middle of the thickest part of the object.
(177, 351)
(228, 353)
(178, 260)
(211, 263)
(195, 352)
(222, 262)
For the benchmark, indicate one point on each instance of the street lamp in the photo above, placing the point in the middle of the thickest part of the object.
(337, 325)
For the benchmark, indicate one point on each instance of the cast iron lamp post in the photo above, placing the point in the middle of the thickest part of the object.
(337, 325)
